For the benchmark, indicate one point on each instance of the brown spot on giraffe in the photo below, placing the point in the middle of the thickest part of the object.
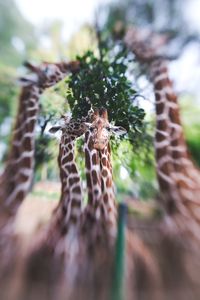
(89, 184)
(64, 230)
(70, 147)
(16, 151)
(73, 168)
(32, 112)
(73, 219)
(64, 161)
(73, 180)
(27, 144)
(104, 173)
(20, 195)
(31, 125)
(94, 176)
(105, 198)
(103, 161)
(159, 137)
(158, 96)
(109, 209)
(76, 189)
(27, 162)
(161, 152)
(162, 125)
(18, 135)
(160, 108)
(64, 210)
(87, 159)
(94, 159)
(102, 184)
(23, 178)
(69, 157)
(162, 83)
(164, 185)
(75, 203)
(171, 97)
(108, 182)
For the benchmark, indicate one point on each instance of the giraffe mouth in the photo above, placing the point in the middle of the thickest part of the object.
(100, 145)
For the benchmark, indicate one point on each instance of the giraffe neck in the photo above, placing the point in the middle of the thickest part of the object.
(93, 177)
(179, 179)
(70, 205)
(108, 188)
(167, 108)
(17, 177)
(177, 175)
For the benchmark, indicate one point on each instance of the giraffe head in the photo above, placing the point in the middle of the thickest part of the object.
(48, 74)
(146, 45)
(101, 129)
(71, 127)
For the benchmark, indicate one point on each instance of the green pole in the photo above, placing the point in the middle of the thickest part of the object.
(117, 292)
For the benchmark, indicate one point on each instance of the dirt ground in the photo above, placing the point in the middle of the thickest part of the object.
(37, 207)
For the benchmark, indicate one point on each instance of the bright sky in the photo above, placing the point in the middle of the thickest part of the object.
(76, 12)
(73, 13)
(185, 72)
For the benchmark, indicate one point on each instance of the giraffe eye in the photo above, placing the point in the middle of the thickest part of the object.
(46, 70)
(108, 128)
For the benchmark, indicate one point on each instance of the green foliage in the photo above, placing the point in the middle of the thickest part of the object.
(137, 178)
(83, 40)
(8, 91)
(194, 147)
(102, 81)
(14, 28)
(42, 150)
(53, 102)
(52, 106)
(190, 110)
(17, 38)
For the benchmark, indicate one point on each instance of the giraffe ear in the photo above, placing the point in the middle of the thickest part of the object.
(118, 130)
(28, 80)
(54, 129)
(88, 125)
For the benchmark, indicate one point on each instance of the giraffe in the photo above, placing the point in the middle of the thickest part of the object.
(60, 240)
(67, 214)
(101, 198)
(98, 227)
(70, 205)
(98, 223)
(17, 176)
(178, 177)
